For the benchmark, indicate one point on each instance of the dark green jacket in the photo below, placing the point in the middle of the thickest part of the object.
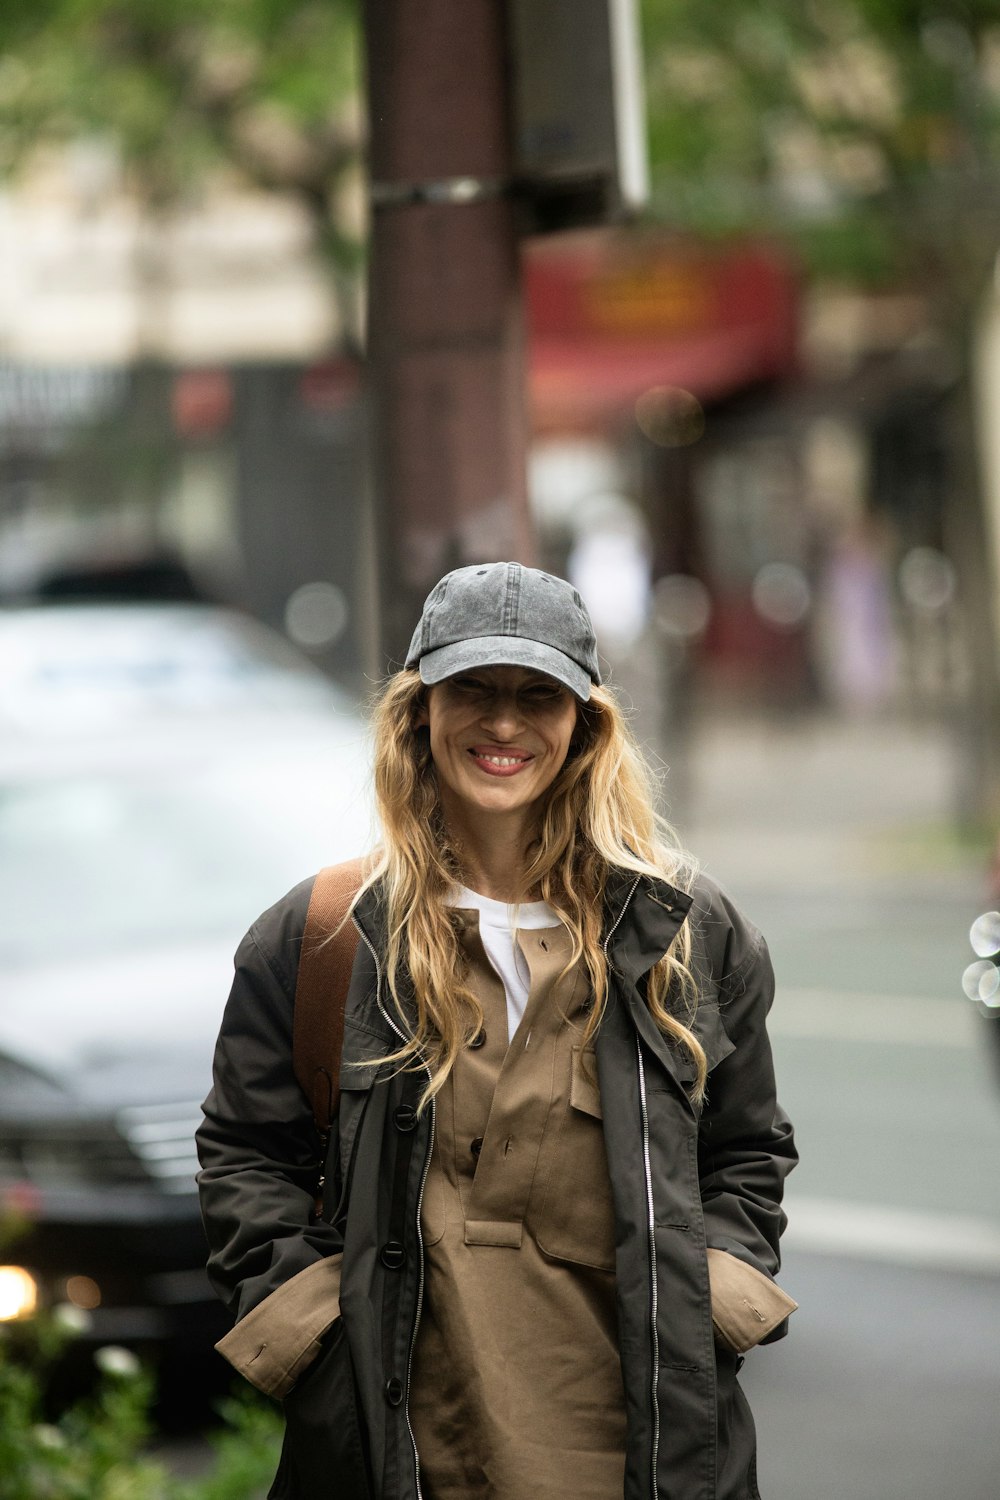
(683, 1180)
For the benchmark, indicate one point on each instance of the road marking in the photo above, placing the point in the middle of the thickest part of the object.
(901, 1236)
(899, 1020)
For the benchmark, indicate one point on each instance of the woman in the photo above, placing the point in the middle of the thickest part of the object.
(553, 1187)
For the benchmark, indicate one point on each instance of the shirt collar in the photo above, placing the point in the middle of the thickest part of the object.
(655, 911)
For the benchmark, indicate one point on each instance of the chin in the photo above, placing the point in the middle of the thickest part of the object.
(497, 798)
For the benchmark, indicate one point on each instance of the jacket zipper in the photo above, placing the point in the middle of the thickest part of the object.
(650, 1219)
(652, 1261)
(420, 1297)
(617, 922)
(420, 1235)
(420, 1199)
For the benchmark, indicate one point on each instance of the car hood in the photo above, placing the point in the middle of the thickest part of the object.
(129, 1029)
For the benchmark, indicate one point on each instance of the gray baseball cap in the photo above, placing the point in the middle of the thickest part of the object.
(502, 614)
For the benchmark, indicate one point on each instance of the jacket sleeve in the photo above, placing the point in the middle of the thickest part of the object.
(745, 1145)
(258, 1145)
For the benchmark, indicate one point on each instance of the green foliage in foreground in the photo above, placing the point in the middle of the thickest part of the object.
(96, 1449)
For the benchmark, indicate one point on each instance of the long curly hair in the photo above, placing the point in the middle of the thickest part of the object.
(597, 814)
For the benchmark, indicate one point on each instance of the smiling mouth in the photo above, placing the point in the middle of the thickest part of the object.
(495, 764)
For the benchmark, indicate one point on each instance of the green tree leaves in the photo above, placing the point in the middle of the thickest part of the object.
(868, 130)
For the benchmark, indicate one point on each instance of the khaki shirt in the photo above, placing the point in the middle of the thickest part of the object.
(517, 1388)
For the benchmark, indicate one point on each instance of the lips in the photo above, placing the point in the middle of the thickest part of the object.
(496, 762)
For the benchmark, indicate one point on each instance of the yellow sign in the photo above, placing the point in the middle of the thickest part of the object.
(654, 299)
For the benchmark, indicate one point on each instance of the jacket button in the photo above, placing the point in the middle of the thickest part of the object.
(394, 1392)
(479, 1040)
(477, 1145)
(392, 1255)
(405, 1118)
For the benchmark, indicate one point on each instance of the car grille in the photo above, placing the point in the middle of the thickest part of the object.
(144, 1145)
(161, 1136)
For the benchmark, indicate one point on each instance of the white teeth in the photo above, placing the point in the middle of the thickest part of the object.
(502, 760)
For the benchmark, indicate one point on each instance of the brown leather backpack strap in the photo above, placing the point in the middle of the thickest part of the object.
(325, 965)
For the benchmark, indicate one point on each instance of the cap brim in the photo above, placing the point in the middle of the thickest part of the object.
(504, 651)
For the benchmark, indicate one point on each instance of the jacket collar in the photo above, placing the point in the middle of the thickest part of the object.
(642, 916)
(369, 917)
(654, 912)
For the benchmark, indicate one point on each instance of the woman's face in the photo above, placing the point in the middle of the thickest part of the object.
(499, 737)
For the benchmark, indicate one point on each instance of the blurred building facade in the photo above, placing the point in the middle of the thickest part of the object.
(763, 473)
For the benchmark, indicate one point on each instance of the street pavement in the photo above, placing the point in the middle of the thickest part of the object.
(835, 837)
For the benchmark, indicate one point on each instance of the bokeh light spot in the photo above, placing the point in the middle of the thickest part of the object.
(682, 606)
(975, 974)
(18, 1293)
(926, 580)
(670, 416)
(984, 934)
(83, 1292)
(781, 595)
(316, 615)
(989, 987)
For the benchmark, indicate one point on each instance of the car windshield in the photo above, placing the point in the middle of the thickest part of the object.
(103, 863)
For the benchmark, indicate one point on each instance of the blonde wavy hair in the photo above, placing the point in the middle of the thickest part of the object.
(597, 814)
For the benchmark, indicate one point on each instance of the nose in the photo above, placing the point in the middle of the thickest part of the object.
(502, 716)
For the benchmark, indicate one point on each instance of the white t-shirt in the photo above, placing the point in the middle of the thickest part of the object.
(497, 922)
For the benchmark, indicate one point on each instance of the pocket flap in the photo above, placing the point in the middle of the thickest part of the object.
(584, 1090)
(357, 1077)
(711, 1033)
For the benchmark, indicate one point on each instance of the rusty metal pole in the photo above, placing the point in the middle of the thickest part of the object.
(445, 325)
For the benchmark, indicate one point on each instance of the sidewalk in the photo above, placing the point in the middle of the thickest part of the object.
(772, 800)
(818, 801)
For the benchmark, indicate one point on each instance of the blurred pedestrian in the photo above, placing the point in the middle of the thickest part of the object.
(552, 1200)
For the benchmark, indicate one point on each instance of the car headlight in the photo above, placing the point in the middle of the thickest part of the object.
(18, 1293)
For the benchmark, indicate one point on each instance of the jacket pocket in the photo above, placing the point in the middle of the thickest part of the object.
(323, 1442)
(575, 1219)
(736, 1448)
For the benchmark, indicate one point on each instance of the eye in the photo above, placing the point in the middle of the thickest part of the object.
(470, 685)
(543, 692)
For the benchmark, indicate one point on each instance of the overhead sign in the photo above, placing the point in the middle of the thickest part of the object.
(579, 121)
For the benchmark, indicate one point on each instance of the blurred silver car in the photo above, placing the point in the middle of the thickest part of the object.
(166, 771)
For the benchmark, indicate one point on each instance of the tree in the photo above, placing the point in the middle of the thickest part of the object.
(191, 91)
(867, 130)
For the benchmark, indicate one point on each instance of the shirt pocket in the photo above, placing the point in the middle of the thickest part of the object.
(434, 1204)
(575, 1220)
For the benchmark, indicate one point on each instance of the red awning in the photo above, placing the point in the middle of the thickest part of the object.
(610, 318)
(575, 385)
